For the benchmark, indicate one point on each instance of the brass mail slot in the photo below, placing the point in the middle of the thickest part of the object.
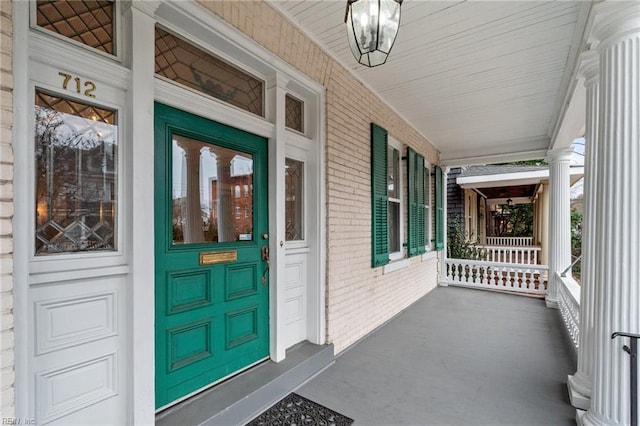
(218, 257)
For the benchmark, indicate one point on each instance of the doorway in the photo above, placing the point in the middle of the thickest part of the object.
(211, 252)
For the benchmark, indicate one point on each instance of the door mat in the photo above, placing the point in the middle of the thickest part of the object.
(294, 409)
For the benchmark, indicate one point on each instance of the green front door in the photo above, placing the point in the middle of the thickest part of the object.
(211, 294)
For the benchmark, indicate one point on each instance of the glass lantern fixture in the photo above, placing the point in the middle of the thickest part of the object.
(372, 27)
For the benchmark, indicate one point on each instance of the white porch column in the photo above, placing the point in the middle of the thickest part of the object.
(580, 382)
(442, 281)
(617, 256)
(193, 225)
(543, 199)
(559, 221)
(224, 192)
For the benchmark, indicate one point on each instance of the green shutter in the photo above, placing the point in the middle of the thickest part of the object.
(379, 198)
(439, 210)
(420, 192)
(412, 224)
(416, 219)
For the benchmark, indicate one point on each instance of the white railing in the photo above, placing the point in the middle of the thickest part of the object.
(511, 254)
(509, 241)
(569, 306)
(511, 277)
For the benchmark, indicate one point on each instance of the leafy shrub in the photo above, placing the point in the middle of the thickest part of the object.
(458, 247)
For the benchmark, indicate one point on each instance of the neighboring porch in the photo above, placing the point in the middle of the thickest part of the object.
(504, 209)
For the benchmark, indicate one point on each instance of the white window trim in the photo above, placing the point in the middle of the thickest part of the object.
(395, 266)
(394, 256)
(45, 78)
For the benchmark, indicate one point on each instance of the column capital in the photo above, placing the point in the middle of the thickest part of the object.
(590, 67)
(614, 21)
(559, 155)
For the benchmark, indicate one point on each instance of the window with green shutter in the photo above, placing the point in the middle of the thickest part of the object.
(428, 216)
(439, 210)
(379, 197)
(416, 225)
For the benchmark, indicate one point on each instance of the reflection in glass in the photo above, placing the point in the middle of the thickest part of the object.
(294, 201)
(75, 154)
(393, 165)
(393, 192)
(394, 225)
(205, 189)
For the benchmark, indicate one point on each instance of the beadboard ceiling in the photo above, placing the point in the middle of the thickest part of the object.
(477, 78)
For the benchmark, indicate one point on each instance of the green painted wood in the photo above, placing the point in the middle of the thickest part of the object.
(416, 222)
(421, 222)
(213, 320)
(439, 210)
(412, 208)
(379, 197)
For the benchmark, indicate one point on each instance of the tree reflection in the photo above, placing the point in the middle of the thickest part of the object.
(75, 154)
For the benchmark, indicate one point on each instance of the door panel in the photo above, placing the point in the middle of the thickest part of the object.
(211, 280)
(297, 249)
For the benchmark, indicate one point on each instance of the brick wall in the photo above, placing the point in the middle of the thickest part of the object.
(359, 298)
(6, 213)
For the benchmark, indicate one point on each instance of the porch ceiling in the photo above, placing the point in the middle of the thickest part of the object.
(520, 191)
(477, 78)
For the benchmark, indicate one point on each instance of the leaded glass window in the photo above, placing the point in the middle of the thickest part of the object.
(186, 64)
(76, 170)
(294, 201)
(88, 22)
(294, 113)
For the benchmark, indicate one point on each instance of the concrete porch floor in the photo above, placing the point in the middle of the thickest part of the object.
(456, 357)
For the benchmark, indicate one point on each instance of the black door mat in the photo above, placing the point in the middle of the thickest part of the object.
(296, 410)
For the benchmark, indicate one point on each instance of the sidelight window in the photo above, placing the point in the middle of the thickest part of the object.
(76, 170)
(294, 201)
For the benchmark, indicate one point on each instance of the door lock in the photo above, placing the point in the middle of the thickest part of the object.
(265, 258)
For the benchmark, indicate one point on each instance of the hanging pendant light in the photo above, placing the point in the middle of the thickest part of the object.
(372, 26)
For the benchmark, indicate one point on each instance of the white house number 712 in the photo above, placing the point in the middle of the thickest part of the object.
(89, 86)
